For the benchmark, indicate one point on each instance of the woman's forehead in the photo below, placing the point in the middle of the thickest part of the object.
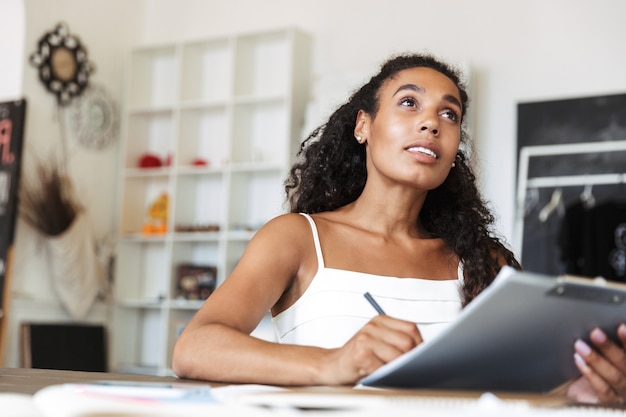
(424, 78)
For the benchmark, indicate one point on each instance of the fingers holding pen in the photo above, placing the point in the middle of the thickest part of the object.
(399, 336)
(393, 337)
(381, 340)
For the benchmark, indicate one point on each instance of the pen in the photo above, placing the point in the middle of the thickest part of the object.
(373, 302)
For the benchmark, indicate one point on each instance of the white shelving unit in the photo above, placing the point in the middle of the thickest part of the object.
(238, 103)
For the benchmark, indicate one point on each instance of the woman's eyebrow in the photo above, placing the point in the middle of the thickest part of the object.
(419, 89)
(416, 88)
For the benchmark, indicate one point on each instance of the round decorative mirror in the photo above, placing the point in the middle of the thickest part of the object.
(62, 63)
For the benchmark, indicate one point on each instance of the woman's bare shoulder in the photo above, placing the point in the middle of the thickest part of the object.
(283, 245)
(290, 222)
(285, 229)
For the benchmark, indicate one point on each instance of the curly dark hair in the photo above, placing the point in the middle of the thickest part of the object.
(331, 173)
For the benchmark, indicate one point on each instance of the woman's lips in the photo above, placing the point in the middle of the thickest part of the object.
(423, 150)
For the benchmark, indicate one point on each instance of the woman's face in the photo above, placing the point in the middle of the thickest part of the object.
(415, 135)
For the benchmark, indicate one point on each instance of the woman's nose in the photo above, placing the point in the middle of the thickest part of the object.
(429, 125)
(429, 121)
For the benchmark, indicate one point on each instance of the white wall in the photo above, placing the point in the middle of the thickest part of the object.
(517, 51)
(106, 29)
(11, 49)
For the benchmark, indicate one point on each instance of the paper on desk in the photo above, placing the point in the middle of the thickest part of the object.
(233, 393)
(67, 401)
(262, 401)
(326, 403)
(18, 405)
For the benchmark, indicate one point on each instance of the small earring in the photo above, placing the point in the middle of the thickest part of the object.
(453, 165)
(359, 139)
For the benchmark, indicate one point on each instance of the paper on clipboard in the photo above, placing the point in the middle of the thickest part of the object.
(517, 335)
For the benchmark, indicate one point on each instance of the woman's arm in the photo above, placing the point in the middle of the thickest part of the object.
(216, 344)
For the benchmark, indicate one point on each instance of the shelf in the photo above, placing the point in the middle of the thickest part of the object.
(199, 201)
(192, 305)
(204, 136)
(140, 238)
(256, 167)
(236, 235)
(151, 133)
(163, 172)
(195, 170)
(258, 132)
(146, 111)
(138, 345)
(197, 237)
(138, 194)
(141, 304)
(255, 197)
(259, 99)
(262, 64)
(128, 368)
(221, 118)
(207, 69)
(146, 271)
(195, 252)
(152, 73)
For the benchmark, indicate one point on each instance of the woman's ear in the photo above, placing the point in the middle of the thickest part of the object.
(361, 127)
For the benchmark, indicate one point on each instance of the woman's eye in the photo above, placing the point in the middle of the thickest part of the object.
(408, 102)
(451, 114)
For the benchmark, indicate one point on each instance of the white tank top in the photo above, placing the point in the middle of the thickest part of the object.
(333, 308)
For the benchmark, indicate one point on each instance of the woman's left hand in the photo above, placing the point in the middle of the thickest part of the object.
(603, 369)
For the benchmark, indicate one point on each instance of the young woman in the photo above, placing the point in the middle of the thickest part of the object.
(384, 201)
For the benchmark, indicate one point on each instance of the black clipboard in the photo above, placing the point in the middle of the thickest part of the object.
(517, 335)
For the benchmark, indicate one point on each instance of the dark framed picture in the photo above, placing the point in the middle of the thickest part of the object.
(195, 282)
(12, 119)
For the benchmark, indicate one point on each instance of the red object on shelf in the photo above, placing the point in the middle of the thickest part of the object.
(199, 162)
(149, 160)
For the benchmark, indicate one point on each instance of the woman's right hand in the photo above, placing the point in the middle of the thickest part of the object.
(381, 340)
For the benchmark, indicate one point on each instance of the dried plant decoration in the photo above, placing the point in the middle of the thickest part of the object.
(47, 199)
(48, 203)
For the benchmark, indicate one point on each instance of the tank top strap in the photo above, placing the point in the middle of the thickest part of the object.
(316, 240)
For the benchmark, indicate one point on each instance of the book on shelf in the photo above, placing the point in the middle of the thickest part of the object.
(195, 282)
